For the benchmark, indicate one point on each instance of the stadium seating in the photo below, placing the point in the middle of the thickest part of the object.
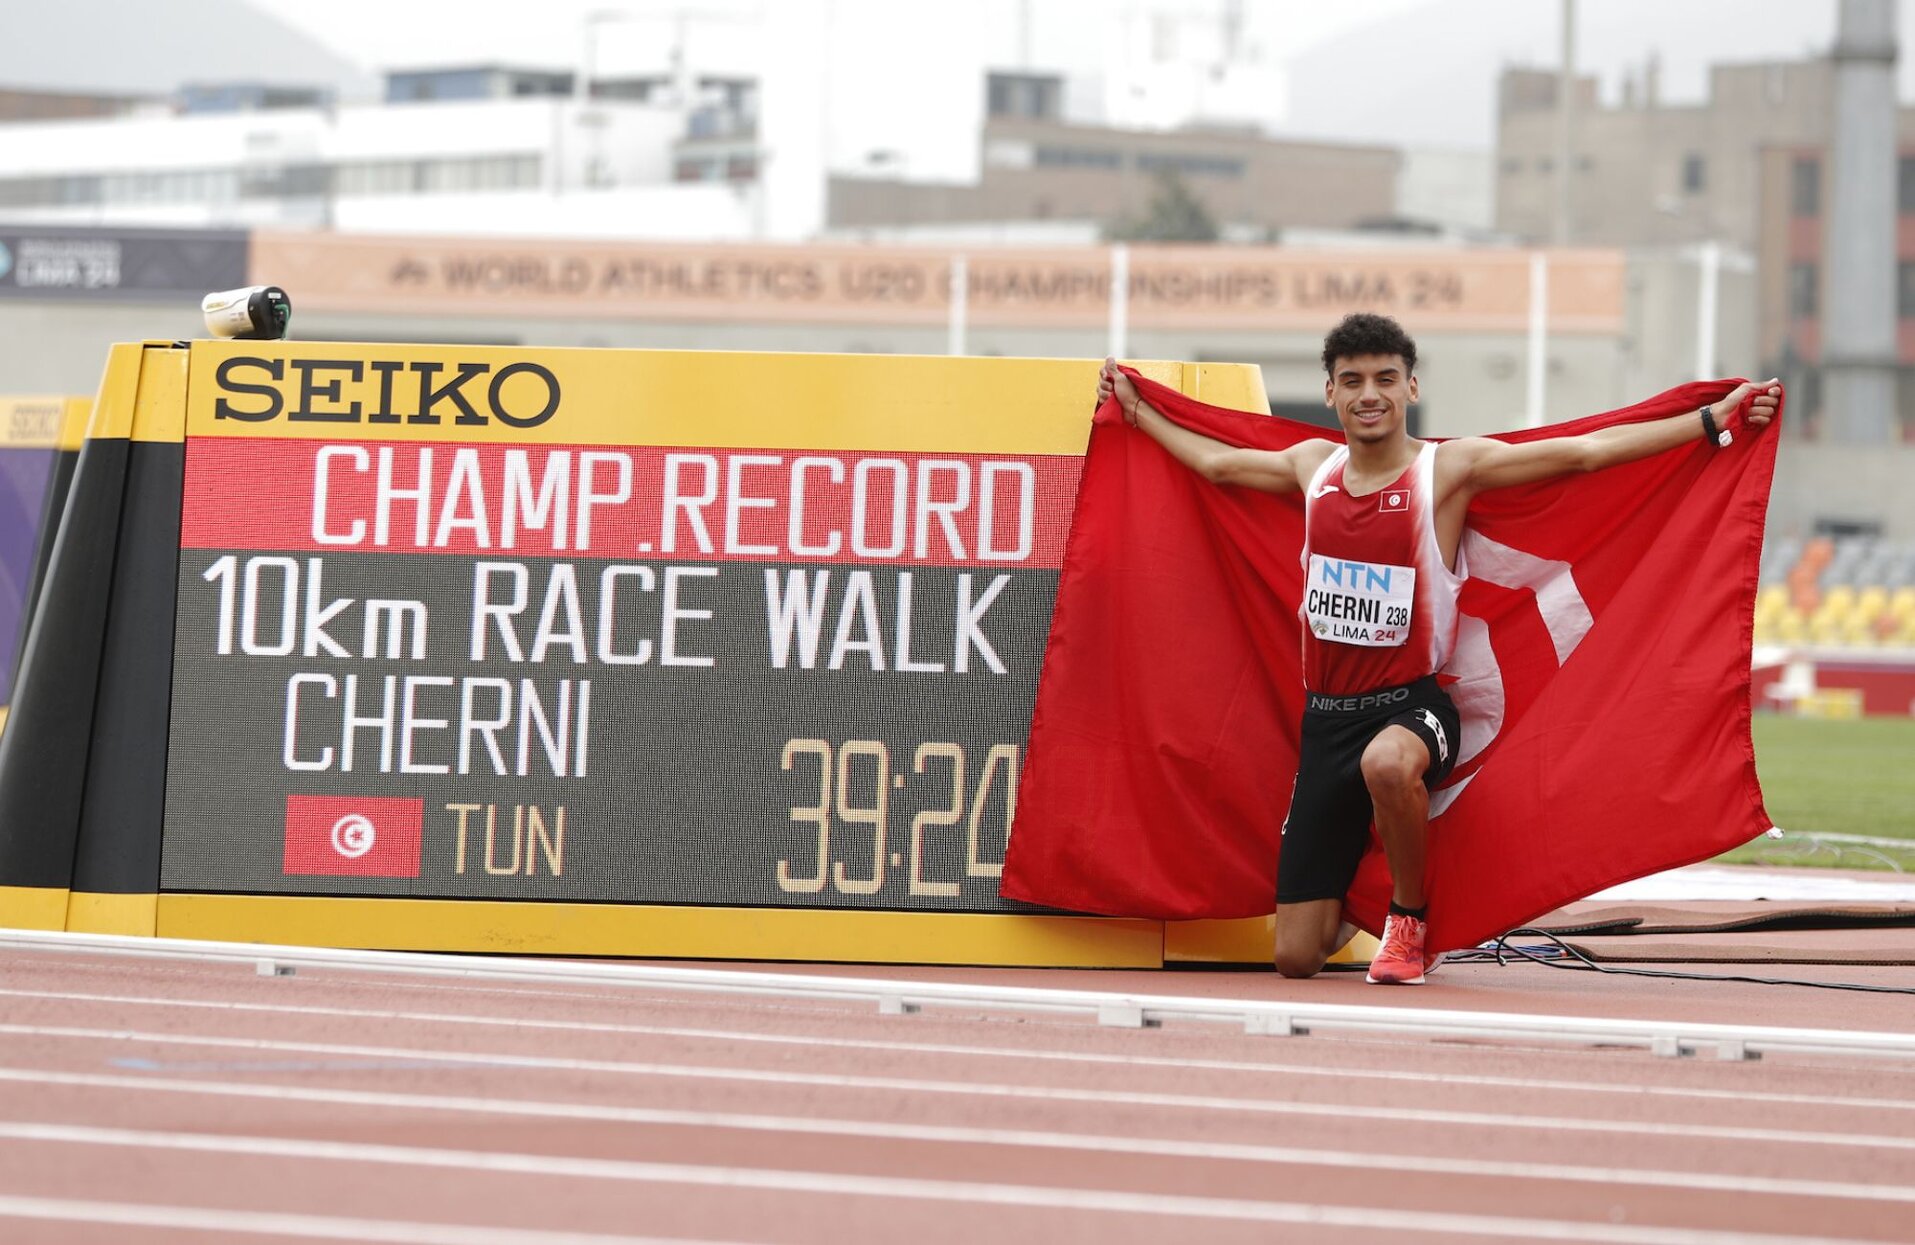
(1848, 592)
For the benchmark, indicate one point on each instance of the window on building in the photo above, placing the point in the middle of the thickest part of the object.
(1190, 165)
(377, 177)
(1905, 185)
(79, 189)
(1805, 186)
(1804, 300)
(1038, 96)
(1905, 289)
(1695, 177)
(1077, 158)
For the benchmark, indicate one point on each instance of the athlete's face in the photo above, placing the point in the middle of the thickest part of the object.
(1370, 394)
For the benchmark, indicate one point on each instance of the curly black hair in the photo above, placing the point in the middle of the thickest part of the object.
(1363, 333)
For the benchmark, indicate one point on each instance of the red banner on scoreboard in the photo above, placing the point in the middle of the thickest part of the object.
(595, 501)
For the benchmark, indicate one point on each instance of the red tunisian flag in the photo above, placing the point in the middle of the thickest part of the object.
(1601, 672)
(353, 836)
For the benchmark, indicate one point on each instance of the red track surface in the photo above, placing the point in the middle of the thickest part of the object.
(369, 1108)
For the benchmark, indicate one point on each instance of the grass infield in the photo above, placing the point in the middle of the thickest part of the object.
(1835, 777)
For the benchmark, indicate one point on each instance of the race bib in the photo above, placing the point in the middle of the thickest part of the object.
(1359, 602)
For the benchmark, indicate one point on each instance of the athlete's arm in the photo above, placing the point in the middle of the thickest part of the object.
(1269, 471)
(1478, 464)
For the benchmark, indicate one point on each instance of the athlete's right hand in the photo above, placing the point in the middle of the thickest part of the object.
(1112, 381)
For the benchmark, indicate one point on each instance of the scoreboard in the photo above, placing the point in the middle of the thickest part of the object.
(613, 626)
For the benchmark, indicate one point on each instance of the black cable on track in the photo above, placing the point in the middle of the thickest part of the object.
(1564, 956)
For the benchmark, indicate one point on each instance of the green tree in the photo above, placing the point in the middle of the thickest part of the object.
(1175, 215)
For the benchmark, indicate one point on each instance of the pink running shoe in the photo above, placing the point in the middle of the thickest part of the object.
(1401, 960)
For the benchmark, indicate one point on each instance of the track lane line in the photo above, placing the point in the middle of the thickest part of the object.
(918, 1085)
(311, 1227)
(745, 1002)
(933, 1048)
(1662, 1034)
(975, 1193)
(1247, 1152)
(591, 1111)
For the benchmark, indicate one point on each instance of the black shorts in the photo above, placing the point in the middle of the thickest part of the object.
(1328, 828)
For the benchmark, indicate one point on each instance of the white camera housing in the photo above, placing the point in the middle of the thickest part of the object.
(251, 313)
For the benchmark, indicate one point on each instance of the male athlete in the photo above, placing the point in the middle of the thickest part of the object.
(1383, 520)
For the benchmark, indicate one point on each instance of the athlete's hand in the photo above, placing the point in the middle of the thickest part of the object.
(1762, 398)
(1113, 381)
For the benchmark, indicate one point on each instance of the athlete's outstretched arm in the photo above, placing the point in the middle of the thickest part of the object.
(1270, 471)
(1485, 464)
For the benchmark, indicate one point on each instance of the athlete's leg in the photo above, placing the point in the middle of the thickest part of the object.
(1307, 935)
(1393, 767)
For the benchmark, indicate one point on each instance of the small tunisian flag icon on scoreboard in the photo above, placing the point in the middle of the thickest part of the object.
(354, 836)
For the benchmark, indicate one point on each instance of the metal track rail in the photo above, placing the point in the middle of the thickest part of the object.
(1279, 1017)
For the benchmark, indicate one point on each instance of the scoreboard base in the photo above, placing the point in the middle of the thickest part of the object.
(33, 907)
(662, 932)
(1250, 940)
(803, 934)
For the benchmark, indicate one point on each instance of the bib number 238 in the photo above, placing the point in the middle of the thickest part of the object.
(1364, 603)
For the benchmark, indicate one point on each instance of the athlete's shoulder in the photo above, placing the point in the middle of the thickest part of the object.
(1458, 449)
(1456, 458)
(1313, 452)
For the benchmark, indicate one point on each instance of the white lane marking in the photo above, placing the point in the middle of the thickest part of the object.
(993, 1052)
(1111, 1201)
(317, 1227)
(1316, 1015)
(1366, 1160)
(1035, 1093)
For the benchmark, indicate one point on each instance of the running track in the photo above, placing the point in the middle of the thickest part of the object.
(204, 1103)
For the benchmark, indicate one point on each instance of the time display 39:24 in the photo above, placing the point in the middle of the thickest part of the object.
(856, 794)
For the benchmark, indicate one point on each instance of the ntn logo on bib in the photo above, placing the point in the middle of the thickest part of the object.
(1352, 602)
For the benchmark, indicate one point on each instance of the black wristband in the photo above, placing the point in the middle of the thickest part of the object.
(1709, 429)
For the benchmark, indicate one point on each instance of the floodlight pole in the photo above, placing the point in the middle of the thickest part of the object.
(1565, 127)
(960, 304)
(1538, 373)
(1118, 343)
(1708, 292)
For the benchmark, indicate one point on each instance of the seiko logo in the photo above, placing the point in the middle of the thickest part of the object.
(385, 391)
(1357, 704)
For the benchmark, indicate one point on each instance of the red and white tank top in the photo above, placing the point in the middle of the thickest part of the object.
(1379, 605)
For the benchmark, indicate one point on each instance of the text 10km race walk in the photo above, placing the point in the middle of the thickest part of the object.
(616, 615)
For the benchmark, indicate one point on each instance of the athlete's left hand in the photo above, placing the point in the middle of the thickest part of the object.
(1763, 399)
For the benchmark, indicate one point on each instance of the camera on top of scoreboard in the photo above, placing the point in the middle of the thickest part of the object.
(251, 313)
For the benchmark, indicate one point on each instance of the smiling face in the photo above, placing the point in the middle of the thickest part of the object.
(1370, 394)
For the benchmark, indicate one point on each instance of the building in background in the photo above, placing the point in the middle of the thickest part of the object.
(1792, 243)
(488, 149)
(32, 105)
(1647, 172)
(1747, 167)
(1039, 166)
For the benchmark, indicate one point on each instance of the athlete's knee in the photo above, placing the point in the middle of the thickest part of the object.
(1392, 763)
(1299, 961)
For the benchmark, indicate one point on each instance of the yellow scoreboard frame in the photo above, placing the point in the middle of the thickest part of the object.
(155, 396)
